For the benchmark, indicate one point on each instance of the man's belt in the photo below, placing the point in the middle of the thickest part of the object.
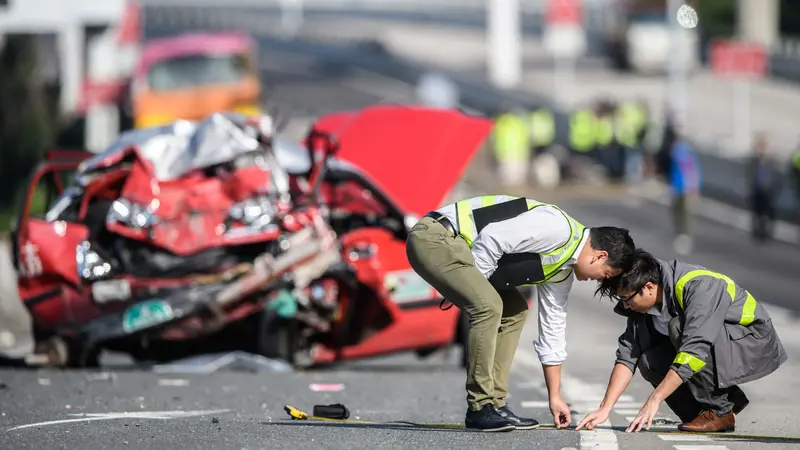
(442, 219)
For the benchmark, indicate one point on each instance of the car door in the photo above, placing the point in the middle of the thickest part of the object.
(38, 242)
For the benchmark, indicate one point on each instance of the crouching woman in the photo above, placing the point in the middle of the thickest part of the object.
(695, 335)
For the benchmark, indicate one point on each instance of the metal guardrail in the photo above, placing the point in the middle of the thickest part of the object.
(724, 179)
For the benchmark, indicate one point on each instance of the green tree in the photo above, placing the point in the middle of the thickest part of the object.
(28, 125)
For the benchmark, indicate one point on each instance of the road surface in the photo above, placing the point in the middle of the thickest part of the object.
(244, 410)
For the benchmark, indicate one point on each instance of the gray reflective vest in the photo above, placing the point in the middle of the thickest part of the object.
(519, 270)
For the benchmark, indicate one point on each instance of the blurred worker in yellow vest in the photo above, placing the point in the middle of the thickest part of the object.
(543, 129)
(582, 131)
(512, 147)
(608, 151)
(630, 127)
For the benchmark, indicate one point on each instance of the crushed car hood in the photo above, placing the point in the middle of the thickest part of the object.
(178, 148)
(415, 154)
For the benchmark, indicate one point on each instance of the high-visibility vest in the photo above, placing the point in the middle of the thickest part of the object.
(605, 130)
(796, 160)
(511, 138)
(630, 120)
(543, 127)
(582, 131)
(552, 261)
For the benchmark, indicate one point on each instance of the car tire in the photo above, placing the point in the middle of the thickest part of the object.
(277, 338)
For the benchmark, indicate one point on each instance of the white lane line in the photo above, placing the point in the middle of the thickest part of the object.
(576, 390)
(700, 447)
(683, 438)
(536, 404)
(162, 415)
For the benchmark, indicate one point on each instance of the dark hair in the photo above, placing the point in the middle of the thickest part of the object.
(617, 242)
(644, 268)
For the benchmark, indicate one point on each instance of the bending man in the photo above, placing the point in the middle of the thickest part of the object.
(695, 335)
(476, 253)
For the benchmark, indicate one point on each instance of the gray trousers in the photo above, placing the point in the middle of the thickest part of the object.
(700, 392)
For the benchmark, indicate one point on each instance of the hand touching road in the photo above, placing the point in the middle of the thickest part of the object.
(561, 414)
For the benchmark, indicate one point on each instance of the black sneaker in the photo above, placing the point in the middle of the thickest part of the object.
(487, 419)
(520, 423)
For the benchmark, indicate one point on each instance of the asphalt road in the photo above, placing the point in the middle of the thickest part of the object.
(248, 406)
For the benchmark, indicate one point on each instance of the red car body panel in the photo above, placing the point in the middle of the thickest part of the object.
(412, 156)
(415, 154)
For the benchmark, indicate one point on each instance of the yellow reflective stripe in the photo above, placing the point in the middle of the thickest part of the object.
(749, 307)
(748, 311)
(488, 200)
(465, 220)
(697, 273)
(694, 362)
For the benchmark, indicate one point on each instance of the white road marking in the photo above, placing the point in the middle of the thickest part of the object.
(173, 382)
(700, 447)
(536, 404)
(683, 437)
(579, 392)
(90, 417)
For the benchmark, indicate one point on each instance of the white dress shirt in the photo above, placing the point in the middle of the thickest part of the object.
(538, 230)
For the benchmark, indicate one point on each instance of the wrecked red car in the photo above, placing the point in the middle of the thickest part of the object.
(202, 237)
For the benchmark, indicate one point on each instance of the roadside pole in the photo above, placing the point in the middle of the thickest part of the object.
(291, 17)
(565, 39)
(677, 65)
(741, 63)
(504, 39)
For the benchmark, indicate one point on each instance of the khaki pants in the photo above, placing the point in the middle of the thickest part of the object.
(496, 317)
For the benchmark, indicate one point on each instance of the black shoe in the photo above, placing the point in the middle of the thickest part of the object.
(487, 419)
(520, 423)
(739, 399)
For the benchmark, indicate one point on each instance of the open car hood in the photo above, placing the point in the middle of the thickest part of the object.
(415, 154)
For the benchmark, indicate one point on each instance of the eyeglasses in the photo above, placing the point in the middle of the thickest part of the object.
(627, 299)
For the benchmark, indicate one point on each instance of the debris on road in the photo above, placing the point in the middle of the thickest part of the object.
(326, 387)
(102, 376)
(214, 420)
(45, 382)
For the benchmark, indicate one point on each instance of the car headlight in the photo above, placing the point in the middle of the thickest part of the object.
(131, 214)
(90, 265)
(256, 213)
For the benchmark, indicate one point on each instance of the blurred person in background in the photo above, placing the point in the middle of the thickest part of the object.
(795, 171)
(583, 134)
(630, 126)
(684, 180)
(542, 130)
(666, 142)
(765, 179)
(512, 145)
(609, 152)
